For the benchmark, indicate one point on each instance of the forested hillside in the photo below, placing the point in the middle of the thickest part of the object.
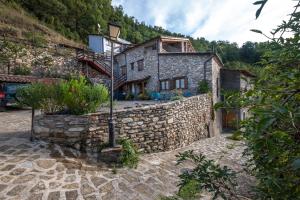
(75, 19)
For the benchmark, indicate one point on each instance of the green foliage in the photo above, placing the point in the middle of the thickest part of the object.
(203, 87)
(176, 95)
(272, 130)
(208, 176)
(144, 96)
(129, 96)
(237, 135)
(21, 70)
(81, 98)
(130, 155)
(73, 97)
(36, 39)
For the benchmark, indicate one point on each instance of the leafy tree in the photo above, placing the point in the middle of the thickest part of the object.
(272, 131)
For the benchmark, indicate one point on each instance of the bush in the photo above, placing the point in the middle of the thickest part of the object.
(21, 70)
(72, 97)
(176, 95)
(130, 155)
(203, 87)
(144, 96)
(220, 181)
(129, 96)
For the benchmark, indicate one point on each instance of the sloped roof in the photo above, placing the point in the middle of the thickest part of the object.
(26, 79)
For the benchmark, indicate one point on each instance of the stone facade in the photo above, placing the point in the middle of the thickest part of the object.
(161, 65)
(149, 55)
(154, 128)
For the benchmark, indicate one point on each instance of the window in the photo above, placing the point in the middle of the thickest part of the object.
(164, 85)
(181, 83)
(140, 65)
(123, 70)
(132, 66)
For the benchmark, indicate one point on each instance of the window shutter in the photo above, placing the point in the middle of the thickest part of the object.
(186, 83)
(172, 84)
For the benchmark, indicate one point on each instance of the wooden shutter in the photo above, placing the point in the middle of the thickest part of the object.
(172, 84)
(186, 83)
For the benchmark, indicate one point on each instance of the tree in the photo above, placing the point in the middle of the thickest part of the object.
(272, 131)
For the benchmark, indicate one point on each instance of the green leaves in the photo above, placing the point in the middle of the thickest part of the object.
(220, 181)
(73, 97)
(256, 31)
(130, 155)
(262, 3)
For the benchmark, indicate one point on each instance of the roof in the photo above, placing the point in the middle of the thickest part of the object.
(16, 78)
(119, 40)
(242, 71)
(139, 80)
(26, 79)
(154, 39)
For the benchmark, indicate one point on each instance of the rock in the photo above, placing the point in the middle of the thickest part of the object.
(170, 121)
(38, 187)
(71, 195)
(17, 171)
(70, 178)
(6, 179)
(16, 190)
(98, 181)
(24, 179)
(71, 186)
(127, 120)
(54, 196)
(7, 168)
(2, 187)
(40, 129)
(35, 197)
(86, 189)
(54, 185)
(46, 164)
(76, 129)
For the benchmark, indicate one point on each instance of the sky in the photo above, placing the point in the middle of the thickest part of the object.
(229, 20)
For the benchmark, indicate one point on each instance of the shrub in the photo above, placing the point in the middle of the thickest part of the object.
(73, 97)
(130, 155)
(129, 96)
(203, 87)
(144, 96)
(81, 98)
(22, 70)
(176, 95)
(220, 181)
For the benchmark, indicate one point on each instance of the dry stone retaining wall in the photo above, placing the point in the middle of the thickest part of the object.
(154, 128)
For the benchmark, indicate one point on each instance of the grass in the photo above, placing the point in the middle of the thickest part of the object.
(16, 23)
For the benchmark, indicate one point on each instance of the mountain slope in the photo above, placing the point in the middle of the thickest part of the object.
(16, 23)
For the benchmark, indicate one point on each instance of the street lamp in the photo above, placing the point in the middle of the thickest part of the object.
(114, 32)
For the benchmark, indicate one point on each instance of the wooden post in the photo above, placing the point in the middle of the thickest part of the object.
(143, 87)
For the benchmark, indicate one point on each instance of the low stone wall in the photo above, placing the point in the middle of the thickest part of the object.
(154, 128)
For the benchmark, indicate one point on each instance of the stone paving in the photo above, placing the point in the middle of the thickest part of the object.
(37, 170)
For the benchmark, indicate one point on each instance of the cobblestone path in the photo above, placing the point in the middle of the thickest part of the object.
(37, 170)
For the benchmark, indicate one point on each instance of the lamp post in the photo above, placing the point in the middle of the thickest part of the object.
(114, 32)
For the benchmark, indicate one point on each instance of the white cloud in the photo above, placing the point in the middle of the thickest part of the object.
(213, 19)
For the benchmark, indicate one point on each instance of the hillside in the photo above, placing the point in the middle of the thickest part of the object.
(17, 24)
(75, 19)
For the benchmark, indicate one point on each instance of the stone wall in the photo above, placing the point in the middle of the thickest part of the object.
(154, 128)
(150, 57)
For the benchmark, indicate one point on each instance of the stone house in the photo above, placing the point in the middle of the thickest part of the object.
(234, 80)
(163, 65)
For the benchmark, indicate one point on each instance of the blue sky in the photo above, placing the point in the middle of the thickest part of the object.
(213, 19)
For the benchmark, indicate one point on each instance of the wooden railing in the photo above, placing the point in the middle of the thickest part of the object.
(101, 60)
